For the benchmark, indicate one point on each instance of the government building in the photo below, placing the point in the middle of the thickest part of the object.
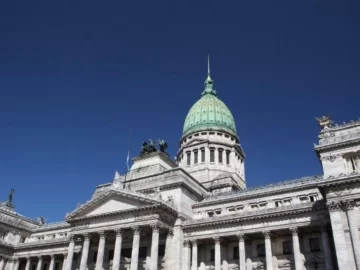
(194, 212)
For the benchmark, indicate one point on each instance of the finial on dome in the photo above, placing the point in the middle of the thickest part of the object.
(209, 82)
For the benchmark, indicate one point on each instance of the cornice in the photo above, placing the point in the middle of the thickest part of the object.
(256, 215)
(53, 226)
(43, 243)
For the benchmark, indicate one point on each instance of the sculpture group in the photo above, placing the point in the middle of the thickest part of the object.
(150, 147)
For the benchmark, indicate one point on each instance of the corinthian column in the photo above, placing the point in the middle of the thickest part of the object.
(326, 248)
(217, 253)
(242, 262)
(28, 261)
(268, 252)
(70, 254)
(52, 262)
(194, 254)
(85, 252)
(341, 249)
(101, 249)
(39, 264)
(154, 246)
(187, 255)
(16, 264)
(135, 249)
(296, 248)
(354, 231)
(117, 250)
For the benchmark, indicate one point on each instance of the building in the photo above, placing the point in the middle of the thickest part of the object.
(196, 213)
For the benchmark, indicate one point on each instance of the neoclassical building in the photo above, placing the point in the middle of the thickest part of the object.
(195, 212)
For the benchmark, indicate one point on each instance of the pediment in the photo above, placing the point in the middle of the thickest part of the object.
(195, 142)
(110, 202)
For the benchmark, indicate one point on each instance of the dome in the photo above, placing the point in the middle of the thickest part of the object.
(209, 113)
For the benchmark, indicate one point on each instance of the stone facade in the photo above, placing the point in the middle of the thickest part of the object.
(196, 213)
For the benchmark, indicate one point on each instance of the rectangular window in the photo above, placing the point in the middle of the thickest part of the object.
(287, 247)
(227, 157)
(261, 250)
(202, 155)
(235, 253)
(278, 203)
(126, 252)
(111, 255)
(161, 251)
(142, 252)
(210, 214)
(195, 157)
(218, 212)
(94, 256)
(188, 158)
(312, 198)
(45, 266)
(33, 267)
(314, 244)
(220, 152)
(212, 155)
(212, 255)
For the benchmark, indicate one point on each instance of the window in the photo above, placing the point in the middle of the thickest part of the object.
(126, 252)
(303, 199)
(239, 208)
(212, 255)
(33, 267)
(227, 157)
(161, 251)
(210, 214)
(188, 158)
(287, 247)
(57, 265)
(220, 153)
(312, 198)
(218, 212)
(202, 155)
(111, 255)
(262, 205)
(261, 250)
(212, 155)
(195, 157)
(44, 266)
(231, 210)
(235, 253)
(94, 256)
(278, 203)
(353, 163)
(142, 252)
(314, 244)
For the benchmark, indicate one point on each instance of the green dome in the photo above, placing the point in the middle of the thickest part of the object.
(209, 113)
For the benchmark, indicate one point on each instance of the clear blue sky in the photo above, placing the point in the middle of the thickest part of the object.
(75, 76)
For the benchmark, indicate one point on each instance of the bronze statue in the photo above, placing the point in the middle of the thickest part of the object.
(163, 145)
(148, 148)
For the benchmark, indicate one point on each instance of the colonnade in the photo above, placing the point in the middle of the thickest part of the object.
(191, 250)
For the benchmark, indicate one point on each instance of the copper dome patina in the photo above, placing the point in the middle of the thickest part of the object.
(209, 113)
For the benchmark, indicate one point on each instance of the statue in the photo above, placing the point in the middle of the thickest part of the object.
(162, 145)
(149, 147)
(9, 202)
(41, 220)
(324, 121)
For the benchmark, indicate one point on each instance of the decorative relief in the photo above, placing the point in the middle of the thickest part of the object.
(334, 206)
(349, 205)
(186, 243)
(155, 227)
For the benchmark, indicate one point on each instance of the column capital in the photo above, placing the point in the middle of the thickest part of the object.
(40, 257)
(334, 206)
(65, 255)
(194, 242)
(102, 234)
(294, 230)
(217, 239)
(155, 227)
(119, 232)
(186, 243)
(28, 258)
(267, 234)
(349, 205)
(72, 238)
(241, 237)
(87, 236)
(136, 230)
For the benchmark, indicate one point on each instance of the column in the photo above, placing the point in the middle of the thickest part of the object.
(16, 264)
(242, 262)
(135, 248)
(268, 252)
(168, 248)
(64, 261)
(39, 264)
(217, 253)
(326, 247)
(117, 249)
(28, 261)
(296, 248)
(52, 262)
(194, 264)
(354, 231)
(101, 249)
(2, 263)
(187, 251)
(342, 254)
(85, 252)
(154, 246)
(70, 253)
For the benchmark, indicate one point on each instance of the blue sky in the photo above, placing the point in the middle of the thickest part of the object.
(76, 76)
